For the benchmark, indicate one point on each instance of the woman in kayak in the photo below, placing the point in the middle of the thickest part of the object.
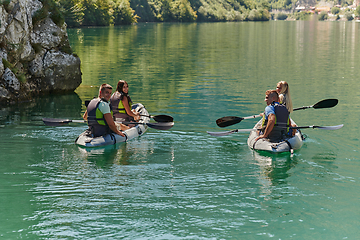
(121, 104)
(282, 88)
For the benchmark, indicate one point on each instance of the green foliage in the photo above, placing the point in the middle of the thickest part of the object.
(6, 3)
(323, 16)
(335, 10)
(7, 64)
(96, 13)
(259, 15)
(39, 15)
(123, 13)
(182, 11)
(72, 12)
(106, 12)
(281, 4)
(301, 15)
(281, 16)
(19, 75)
(165, 12)
(50, 9)
(357, 11)
(349, 16)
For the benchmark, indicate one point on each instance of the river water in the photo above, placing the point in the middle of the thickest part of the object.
(183, 183)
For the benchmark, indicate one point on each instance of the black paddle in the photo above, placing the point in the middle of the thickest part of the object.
(160, 118)
(326, 103)
(230, 120)
(159, 125)
(55, 122)
(219, 134)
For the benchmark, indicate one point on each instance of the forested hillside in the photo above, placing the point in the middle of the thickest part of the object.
(106, 12)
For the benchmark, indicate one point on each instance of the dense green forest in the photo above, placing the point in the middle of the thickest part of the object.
(119, 12)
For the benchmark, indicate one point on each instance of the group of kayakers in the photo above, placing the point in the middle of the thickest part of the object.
(107, 112)
(276, 118)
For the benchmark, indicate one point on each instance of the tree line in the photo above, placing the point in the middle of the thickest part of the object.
(78, 13)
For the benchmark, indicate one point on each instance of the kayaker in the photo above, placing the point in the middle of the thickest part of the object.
(121, 103)
(282, 88)
(275, 118)
(99, 114)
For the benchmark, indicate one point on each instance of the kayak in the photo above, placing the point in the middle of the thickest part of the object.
(86, 139)
(288, 144)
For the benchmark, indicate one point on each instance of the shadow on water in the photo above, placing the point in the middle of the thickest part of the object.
(52, 106)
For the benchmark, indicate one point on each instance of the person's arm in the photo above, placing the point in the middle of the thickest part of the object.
(85, 115)
(269, 127)
(128, 110)
(110, 122)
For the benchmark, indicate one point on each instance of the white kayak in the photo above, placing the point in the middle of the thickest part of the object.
(86, 140)
(286, 145)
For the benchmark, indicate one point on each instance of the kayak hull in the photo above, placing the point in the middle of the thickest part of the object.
(86, 140)
(287, 145)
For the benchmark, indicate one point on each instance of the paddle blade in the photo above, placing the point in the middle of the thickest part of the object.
(320, 127)
(163, 118)
(56, 122)
(330, 127)
(228, 121)
(221, 134)
(327, 103)
(161, 125)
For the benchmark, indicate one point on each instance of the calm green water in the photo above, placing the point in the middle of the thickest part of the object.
(183, 183)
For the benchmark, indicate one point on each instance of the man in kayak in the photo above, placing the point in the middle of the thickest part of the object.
(99, 114)
(275, 118)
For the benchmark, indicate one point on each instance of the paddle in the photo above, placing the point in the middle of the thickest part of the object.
(228, 121)
(219, 134)
(160, 118)
(55, 122)
(159, 125)
(326, 103)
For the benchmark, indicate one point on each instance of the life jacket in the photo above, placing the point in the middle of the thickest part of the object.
(118, 105)
(96, 120)
(282, 123)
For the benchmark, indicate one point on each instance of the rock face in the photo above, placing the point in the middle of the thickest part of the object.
(35, 52)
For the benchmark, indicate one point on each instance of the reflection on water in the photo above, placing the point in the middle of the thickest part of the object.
(51, 106)
(119, 154)
(273, 169)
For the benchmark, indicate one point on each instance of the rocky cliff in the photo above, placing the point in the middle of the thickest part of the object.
(35, 51)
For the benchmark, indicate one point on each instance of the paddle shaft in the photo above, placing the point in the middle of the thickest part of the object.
(61, 122)
(218, 134)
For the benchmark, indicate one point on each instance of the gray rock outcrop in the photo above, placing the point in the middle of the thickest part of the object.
(35, 51)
